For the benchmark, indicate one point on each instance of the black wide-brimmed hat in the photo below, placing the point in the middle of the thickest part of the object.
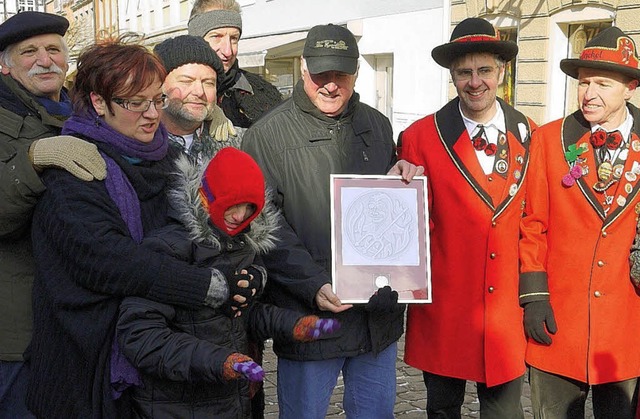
(473, 35)
(610, 50)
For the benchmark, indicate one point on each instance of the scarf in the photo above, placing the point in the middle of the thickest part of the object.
(55, 108)
(123, 373)
(230, 79)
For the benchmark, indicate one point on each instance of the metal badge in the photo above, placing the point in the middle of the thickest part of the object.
(621, 200)
(502, 166)
(604, 171)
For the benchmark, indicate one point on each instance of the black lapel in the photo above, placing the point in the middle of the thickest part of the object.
(512, 119)
(635, 113)
(574, 127)
(450, 129)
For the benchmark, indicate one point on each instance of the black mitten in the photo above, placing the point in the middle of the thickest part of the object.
(385, 299)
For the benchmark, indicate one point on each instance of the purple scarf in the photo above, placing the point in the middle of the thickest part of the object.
(123, 373)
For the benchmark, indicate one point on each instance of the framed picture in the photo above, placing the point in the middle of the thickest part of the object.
(379, 236)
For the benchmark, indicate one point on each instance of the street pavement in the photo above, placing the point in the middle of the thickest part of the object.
(411, 394)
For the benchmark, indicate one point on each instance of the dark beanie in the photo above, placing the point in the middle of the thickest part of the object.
(187, 49)
(232, 177)
(24, 25)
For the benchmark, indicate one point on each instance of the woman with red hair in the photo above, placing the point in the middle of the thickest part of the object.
(86, 239)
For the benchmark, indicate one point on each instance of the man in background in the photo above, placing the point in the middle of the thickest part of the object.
(243, 96)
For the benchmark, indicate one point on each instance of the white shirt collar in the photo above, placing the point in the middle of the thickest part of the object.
(497, 122)
(624, 128)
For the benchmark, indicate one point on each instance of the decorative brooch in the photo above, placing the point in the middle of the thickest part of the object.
(576, 171)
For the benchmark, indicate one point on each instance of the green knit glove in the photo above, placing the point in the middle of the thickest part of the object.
(76, 156)
(221, 127)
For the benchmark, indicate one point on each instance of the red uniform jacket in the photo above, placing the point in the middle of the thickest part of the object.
(585, 256)
(473, 329)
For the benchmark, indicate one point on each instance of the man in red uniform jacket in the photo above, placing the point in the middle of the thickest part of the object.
(475, 154)
(582, 207)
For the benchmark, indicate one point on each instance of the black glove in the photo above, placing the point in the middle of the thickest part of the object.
(537, 315)
(385, 299)
(259, 278)
(231, 307)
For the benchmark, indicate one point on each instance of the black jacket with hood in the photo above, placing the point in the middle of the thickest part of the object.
(180, 351)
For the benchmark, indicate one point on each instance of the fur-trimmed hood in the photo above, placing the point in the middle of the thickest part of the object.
(187, 208)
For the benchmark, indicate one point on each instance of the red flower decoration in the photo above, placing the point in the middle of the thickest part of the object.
(479, 143)
(598, 138)
(613, 140)
(490, 150)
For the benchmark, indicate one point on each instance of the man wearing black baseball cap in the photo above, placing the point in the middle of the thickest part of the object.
(325, 129)
(33, 107)
(583, 204)
(475, 154)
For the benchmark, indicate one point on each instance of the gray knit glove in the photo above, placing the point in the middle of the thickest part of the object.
(76, 156)
(221, 127)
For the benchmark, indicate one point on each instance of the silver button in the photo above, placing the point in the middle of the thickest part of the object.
(597, 294)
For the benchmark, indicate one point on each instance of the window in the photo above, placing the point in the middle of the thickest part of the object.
(280, 74)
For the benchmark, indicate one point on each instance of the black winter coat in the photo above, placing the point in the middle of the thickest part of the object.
(86, 263)
(181, 350)
(298, 148)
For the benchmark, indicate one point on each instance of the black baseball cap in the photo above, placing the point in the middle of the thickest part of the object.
(331, 48)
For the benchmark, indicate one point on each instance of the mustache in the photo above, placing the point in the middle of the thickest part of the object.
(38, 69)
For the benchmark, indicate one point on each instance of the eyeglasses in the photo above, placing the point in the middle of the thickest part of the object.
(141, 105)
(485, 73)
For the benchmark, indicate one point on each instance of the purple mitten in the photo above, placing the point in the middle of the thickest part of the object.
(250, 369)
(324, 327)
(310, 328)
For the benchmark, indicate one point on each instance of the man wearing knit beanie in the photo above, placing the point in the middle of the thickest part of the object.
(192, 116)
(243, 96)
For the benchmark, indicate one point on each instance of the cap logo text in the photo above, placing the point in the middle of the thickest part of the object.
(330, 43)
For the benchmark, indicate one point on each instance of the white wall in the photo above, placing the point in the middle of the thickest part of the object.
(264, 17)
(417, 79)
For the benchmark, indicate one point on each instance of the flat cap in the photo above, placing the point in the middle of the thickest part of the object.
(24, 25)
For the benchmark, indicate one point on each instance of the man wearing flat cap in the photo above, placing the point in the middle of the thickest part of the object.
(33, 106)
(325, 129)
(582, 206)
(243, 96)
(475, 151)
